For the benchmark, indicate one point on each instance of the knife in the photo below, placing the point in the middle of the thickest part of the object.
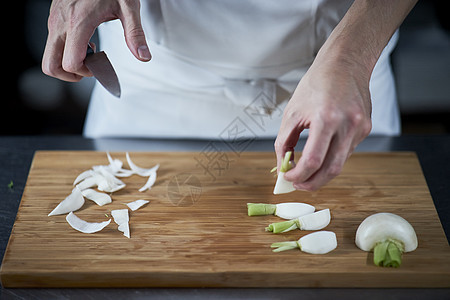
(99, 64)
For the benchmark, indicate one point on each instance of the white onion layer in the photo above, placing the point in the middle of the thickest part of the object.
(72, 202)
(83, 226)
(292, 210)
(320, 242)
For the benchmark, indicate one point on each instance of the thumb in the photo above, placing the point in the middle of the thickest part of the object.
(134, 34)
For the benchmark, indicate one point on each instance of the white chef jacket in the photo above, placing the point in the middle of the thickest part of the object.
(222, 69)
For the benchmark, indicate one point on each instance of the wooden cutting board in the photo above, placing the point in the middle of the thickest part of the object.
(195, 231)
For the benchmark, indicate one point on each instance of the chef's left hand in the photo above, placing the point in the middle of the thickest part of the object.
(333, 101)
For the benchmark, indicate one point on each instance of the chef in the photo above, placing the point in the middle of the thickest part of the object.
(234, 69)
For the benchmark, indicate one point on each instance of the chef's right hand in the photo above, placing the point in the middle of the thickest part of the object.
(72, 23)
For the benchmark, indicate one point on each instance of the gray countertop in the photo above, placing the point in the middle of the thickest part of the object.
(16, 154)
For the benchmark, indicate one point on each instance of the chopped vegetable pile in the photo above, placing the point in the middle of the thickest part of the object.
(105, 179)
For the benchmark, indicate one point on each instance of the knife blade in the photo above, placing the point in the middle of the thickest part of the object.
(99, 64)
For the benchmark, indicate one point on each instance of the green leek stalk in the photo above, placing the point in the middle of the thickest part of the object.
(261, 209)
(283, 246)
(286, 164)
(284, 226)
(388, 254)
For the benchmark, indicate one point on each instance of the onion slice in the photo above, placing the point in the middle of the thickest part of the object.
(99, 198)
(71, 203)
(83, 176)
(135, 205)
(151, 173)
(314, 221)
(121, 218)
(292, 210)
(108, 182)
(83, 226)
(141, 171)
(320, 242)
(150, 182)
(282, 186)
(115, 165)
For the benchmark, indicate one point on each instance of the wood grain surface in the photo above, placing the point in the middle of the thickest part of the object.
(195, 231)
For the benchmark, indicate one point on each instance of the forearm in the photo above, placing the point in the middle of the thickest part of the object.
(332, 99)
(364, 31)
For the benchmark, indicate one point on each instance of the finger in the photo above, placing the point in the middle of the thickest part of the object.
(313, 155)
(338, 153)
(134, 34)
(75, 49)
(93, 46)
(287, 139)
(52, 60)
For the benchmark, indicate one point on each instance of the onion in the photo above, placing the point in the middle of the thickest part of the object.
(320, 242)
(388, 235)
(314, 221)
(282, 186)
